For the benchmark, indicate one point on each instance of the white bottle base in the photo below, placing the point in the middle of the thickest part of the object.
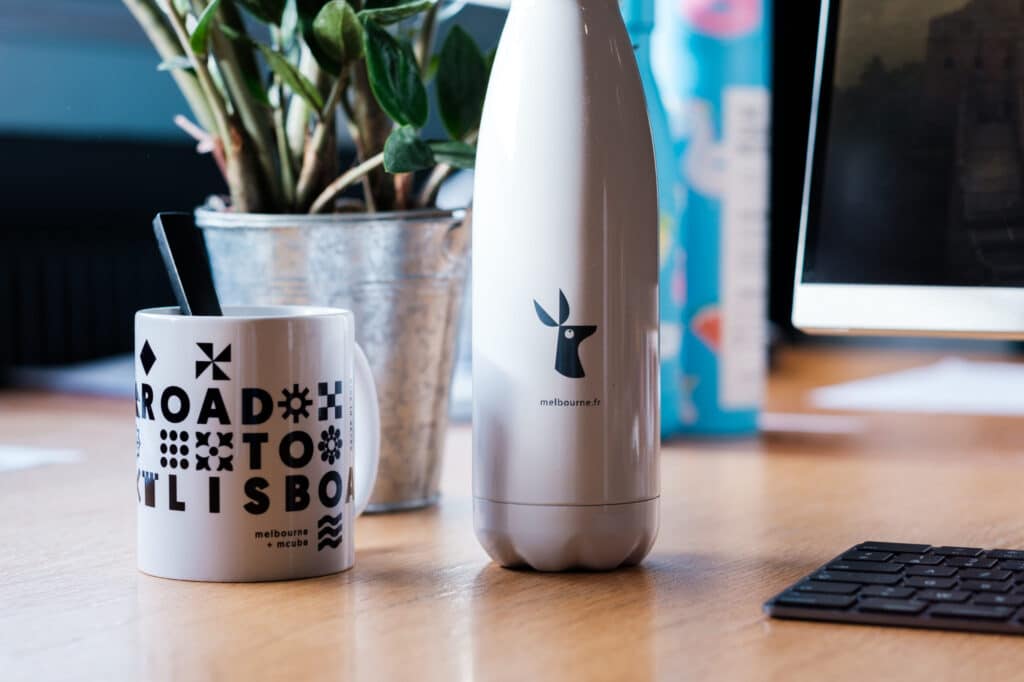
(555, 538)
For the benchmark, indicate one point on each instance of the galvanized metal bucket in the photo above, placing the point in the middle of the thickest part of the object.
(403, 275)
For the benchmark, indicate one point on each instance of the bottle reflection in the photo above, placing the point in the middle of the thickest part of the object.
(554, 626)
(247, 631)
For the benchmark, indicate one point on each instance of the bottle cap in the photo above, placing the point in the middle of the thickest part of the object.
(639, 14)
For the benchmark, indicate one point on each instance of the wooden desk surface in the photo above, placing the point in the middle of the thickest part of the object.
(741, 520)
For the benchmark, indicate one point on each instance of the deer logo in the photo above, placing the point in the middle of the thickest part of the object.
(567, 356)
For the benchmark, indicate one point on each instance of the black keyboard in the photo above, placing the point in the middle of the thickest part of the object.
(918, 586)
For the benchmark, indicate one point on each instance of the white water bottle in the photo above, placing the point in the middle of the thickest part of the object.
(565, 296)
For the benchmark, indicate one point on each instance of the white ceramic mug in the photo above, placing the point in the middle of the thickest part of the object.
(252, 462)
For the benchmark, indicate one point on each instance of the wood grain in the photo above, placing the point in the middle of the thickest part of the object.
(741, 520)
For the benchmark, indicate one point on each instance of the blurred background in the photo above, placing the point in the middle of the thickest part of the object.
(90, 153)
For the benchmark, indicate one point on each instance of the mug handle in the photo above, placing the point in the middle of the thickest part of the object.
(366, 415)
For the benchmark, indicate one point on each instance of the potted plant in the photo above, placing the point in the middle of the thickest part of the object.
(270, 83)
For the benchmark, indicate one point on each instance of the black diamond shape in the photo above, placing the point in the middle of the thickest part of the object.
(148, 357)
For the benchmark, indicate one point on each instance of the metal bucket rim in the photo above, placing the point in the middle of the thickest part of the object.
(207, 218)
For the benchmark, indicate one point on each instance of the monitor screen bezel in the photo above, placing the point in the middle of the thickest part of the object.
(986, 312)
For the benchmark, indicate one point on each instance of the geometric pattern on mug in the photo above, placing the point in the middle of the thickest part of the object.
(296, 403)
(212, 361)
(330, 444)
(174, 449)
(147, 357)
(329, 401)
(329, 532)
(221, 453)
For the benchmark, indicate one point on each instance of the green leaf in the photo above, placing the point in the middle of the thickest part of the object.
(201, 33)
(339, 34)
(432, 65)
(181, 62)
(267, 11)
(454, 153)
(182, 7)
(390, 13)
(253, 75)
(405, 152)
(308, 11)
(292, 77)
(256, 88)
(461, 84)
(394, 76)
(248, 66)
(233, 34)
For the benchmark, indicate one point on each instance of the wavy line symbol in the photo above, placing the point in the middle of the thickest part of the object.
(333, 520)
(328, 543)
(329, 527)
(328, 531)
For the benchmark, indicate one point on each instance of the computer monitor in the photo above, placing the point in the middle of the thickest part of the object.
(913, 214)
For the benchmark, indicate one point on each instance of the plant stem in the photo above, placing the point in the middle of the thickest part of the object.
(255, 120)
(353, 131)
(237, 66)
(374, 128)
(242, 181)
(425, 44)
(428, 195)
(316, 149)
(154, 24)
(284, 156)
(299, 111)
(403, 190)
(349, 177)
(217, 108)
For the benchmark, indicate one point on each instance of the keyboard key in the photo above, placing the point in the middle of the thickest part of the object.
(971, 562)
(1012, 565)
(818, 601)
(866, 566)
(932, 583)
(860, 578)
(893, 547)
(887, 592)
(891, 606)
(957, 551)
(971, 612)
(882, 583)
(827, 588)
(990, 599)
(943, 595)
(934, 571)
(867, 556)
(918, 559)
(984, 574)
(986, 585)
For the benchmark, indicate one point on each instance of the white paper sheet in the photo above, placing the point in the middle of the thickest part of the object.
(16, 457)
(950, 386)
(817, 424)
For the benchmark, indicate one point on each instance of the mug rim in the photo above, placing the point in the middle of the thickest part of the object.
(247, 313)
